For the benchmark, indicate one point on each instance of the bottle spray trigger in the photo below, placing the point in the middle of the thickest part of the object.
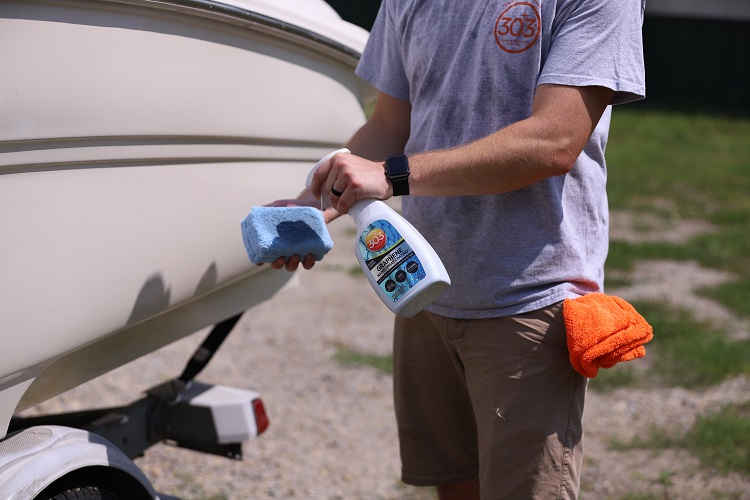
(401, 266)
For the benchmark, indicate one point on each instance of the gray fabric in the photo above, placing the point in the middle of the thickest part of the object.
(466, 76)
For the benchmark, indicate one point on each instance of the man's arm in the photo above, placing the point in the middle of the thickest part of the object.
(544, 145)
(385, 133)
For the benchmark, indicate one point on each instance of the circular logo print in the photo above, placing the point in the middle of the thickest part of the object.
(517, 28)
(412, 267)
(375, 239)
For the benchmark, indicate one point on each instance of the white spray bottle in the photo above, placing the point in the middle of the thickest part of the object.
(402, 267)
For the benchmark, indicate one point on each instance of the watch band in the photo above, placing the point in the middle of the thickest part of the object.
(397, 170)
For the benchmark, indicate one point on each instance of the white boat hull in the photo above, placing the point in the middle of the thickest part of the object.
(134, 137)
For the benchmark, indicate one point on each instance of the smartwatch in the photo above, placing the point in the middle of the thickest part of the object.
(397, 171)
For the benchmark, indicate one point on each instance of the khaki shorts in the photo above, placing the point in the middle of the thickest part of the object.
(490, 399)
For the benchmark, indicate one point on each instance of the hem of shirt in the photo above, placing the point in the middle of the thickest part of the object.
(373, 80)
(521, 308)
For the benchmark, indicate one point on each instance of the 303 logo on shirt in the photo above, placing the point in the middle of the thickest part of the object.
(517, 28)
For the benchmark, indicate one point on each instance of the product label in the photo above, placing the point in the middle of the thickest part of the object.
(390, 259)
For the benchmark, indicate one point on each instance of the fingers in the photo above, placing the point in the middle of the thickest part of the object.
(330, 214)
(303, 201)
(349, 178)
(279, 263)
(335, 196)
(338, 180)
(332, 178)
(320, 177)
(309, 261)
(292, 263)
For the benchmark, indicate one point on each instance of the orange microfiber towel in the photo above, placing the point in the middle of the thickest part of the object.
(602, 331)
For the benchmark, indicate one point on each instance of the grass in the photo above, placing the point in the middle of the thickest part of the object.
(622, 375)
(735, 295)
(686, 353)
(698, 162)
(680, 166)
(721, 440)
(350, 357)
(685, 167)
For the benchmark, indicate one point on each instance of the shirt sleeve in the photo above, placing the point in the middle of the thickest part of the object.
(598, 42)
(382, 63)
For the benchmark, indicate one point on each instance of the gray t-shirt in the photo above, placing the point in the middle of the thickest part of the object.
(470, 68)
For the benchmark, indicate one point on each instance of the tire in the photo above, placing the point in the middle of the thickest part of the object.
(68, 491)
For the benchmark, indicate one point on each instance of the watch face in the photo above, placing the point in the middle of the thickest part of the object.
(397, 166)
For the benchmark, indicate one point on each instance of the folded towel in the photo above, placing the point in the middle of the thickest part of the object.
(602, 331)
(273, 232)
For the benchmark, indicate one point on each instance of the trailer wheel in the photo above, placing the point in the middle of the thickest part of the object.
(76, 492)
(94, 483)
(91, 492)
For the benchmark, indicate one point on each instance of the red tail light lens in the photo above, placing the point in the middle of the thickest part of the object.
(261, 419)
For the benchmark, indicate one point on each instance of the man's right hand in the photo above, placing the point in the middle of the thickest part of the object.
(305, 199)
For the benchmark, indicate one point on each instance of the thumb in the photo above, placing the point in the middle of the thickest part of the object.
(330, 214)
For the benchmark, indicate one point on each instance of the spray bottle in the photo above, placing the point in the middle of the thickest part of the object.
(401, 266)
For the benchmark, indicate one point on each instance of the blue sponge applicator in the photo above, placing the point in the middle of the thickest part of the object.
(273, 232)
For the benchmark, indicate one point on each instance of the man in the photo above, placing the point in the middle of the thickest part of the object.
(503, 110)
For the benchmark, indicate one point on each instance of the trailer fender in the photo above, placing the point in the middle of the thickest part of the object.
(32, 459)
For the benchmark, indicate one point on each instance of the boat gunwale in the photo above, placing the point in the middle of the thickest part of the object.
(253, 20)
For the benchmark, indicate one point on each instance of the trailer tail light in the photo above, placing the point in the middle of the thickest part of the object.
(261, 418)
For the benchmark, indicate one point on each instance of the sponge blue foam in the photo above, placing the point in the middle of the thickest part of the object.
(273, 232)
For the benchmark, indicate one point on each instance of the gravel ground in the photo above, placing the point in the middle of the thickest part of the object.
(332, 433)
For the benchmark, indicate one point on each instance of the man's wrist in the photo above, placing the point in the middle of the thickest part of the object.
(397, 171)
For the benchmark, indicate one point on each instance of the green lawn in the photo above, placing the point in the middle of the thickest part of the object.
(686, 167)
